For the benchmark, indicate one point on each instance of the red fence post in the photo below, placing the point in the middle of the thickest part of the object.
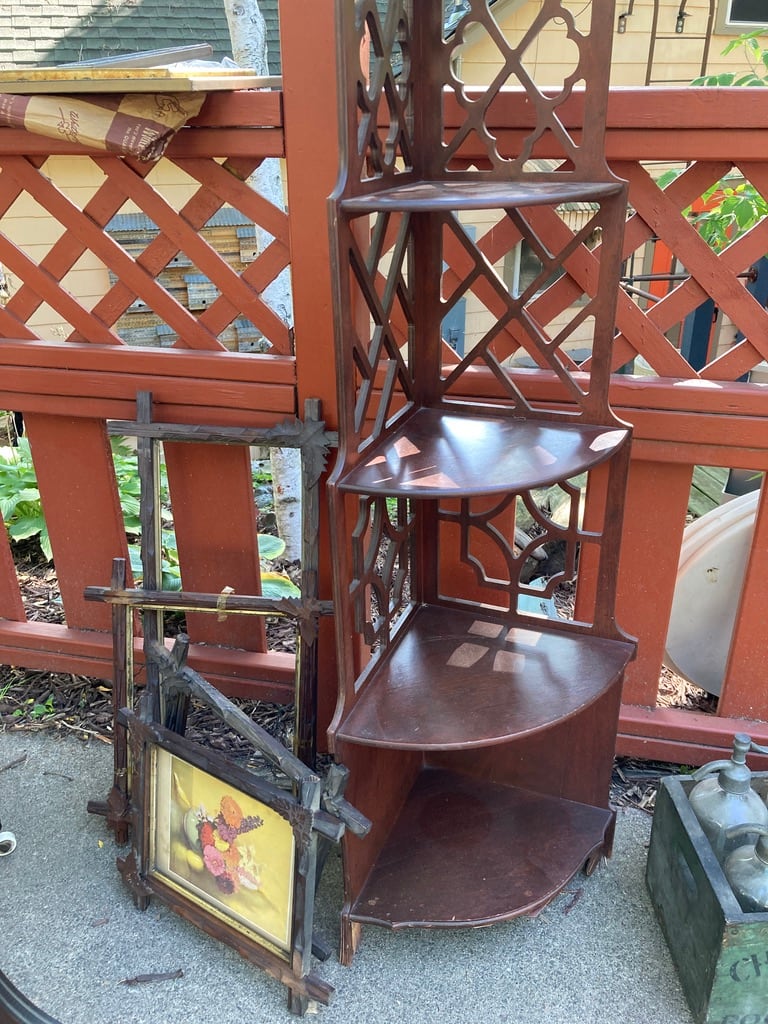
(307, 33)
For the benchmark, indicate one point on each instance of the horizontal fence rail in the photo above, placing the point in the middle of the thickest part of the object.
(70, 386)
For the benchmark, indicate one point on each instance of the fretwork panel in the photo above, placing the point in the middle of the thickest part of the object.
(526, 283)
(519, 552)
(382, 88)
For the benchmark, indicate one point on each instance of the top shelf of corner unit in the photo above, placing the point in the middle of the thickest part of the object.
(426, 196)
(432, 453)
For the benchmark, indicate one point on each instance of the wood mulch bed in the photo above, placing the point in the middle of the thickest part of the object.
(82, 706)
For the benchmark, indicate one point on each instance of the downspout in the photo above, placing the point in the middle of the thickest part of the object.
(708, 38)
(652, 42)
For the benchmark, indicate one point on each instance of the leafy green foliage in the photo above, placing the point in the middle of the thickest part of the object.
(35, 710)
(756, 57)
(22, 513)
(20, 497)
(738, 208)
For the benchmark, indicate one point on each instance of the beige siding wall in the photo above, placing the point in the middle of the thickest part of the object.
(648, 51)
(29, 226)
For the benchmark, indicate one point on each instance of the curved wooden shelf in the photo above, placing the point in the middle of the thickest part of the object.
(469, 852)
(468, 194)
(461, 679)
(433, 453)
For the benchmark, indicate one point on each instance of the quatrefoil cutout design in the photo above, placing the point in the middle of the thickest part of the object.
(553, 30)
(385, 78)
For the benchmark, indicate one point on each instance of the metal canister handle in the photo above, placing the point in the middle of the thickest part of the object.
(747, 829)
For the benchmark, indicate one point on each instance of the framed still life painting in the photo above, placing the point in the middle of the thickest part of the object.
(229, 851)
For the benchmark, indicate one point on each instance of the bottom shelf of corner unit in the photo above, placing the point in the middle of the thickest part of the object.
(467, 852)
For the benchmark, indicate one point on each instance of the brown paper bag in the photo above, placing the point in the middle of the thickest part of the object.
(134, 124)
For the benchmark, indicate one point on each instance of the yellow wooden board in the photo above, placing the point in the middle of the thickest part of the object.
(26, 81)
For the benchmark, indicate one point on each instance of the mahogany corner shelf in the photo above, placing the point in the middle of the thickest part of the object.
(434, 452)
(461, 679)
(471, 194)
(478, 722)
(503, 851)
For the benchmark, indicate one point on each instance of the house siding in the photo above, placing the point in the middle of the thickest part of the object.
(638, 57)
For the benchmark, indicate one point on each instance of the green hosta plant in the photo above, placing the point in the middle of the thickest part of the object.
(20, 497)
(273, 584)
(22, 513)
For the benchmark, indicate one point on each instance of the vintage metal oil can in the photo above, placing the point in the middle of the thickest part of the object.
(725, 800)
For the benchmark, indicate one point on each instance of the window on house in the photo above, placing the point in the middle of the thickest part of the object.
(249, 247)
(522, 267)
(737, 16)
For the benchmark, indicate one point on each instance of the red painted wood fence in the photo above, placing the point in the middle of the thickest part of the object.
(69, 388)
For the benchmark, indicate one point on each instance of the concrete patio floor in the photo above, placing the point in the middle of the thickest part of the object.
(71, 934)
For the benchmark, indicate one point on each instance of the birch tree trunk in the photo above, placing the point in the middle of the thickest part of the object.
(248, 34)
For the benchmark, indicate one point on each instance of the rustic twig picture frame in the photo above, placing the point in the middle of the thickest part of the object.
(231, 852)
(314, 442)
(196, 847)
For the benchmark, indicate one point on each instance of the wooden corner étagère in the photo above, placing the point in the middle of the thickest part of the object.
(476, 521)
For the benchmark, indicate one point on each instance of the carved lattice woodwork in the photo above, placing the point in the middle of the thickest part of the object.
(397, 78)
(459, 181)
(447, 658)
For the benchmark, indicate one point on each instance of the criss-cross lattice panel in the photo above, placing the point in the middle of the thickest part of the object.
(652, 315)
(111, 251)
(576, 33)
(381, 85)
(520, 551)
(525, 284)
(530, 289)
(381, 554)
(388, 34)
(380, 304)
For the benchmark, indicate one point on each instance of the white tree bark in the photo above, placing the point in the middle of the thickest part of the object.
(248, 34)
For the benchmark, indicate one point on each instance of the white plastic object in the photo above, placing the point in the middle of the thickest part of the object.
(7, 843)
(710, 574)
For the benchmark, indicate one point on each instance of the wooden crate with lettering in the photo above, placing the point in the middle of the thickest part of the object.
(720, 952)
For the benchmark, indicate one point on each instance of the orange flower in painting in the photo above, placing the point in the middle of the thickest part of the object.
(231, 858)
(206, 834)
(230, 812)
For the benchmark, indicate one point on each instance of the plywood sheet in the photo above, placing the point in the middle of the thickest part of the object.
(98, 80)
